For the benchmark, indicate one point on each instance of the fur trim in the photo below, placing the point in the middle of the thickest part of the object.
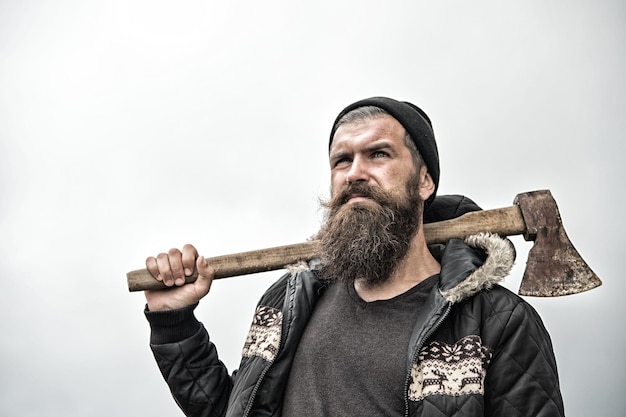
(298, 267)
(500, 260)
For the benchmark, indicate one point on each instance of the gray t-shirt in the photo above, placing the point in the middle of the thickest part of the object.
(352, 358)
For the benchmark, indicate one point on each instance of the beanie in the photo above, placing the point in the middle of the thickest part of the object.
(416, 123)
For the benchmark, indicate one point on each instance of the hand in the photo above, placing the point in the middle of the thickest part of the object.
(172, 268)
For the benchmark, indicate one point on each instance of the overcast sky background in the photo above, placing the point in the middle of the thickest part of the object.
(130, 127)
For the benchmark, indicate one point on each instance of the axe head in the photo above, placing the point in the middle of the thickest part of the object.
(554, 267)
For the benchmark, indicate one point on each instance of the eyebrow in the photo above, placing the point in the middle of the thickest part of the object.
(382, 145)
(379, 146)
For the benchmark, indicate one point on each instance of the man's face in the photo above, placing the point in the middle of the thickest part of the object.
(375, 209)
(371, 152)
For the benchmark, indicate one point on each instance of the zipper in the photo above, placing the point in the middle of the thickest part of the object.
(246, 412)
(258, 385)
(419, 347)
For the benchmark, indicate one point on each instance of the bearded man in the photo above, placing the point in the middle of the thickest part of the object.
(381, 324)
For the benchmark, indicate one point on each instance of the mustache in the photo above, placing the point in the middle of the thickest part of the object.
(362, 189)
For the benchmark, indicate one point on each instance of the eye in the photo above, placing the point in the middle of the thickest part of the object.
(380, 154)
(341, 161)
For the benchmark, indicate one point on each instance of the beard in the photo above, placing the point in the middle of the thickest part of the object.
(366, 240)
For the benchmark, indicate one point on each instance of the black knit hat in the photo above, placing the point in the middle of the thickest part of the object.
(416, 123)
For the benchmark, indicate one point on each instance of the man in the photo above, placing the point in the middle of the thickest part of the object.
(381, 324)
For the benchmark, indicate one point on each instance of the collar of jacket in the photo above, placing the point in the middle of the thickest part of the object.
(467, 266)
(477, 263)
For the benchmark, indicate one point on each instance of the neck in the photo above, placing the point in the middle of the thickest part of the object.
(414, 268)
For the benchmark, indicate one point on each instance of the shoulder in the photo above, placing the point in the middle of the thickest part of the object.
(295, 284)
(498, 313)
(496, 302)
(275, 294)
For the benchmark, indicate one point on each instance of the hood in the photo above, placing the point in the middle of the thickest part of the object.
(473, 265)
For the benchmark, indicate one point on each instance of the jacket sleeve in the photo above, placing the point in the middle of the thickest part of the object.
(188, 361)
(522, 379)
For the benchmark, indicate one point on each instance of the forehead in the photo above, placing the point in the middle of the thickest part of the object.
(364, 132)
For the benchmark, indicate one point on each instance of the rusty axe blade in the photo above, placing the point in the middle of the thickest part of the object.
(554, 267)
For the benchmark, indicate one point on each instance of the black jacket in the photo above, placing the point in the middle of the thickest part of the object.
(477, 349)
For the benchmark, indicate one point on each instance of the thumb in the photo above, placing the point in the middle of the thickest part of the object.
(205, 275)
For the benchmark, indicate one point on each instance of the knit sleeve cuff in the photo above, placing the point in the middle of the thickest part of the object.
(172, 326)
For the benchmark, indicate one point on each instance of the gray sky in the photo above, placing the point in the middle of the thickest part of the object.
(129, 127)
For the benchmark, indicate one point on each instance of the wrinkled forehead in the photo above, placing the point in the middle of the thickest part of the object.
(364, 131)
(358, 116)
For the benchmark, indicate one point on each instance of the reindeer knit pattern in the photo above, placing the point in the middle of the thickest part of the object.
(264, 336)
(456, 369)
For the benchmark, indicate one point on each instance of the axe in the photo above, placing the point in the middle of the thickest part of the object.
(553, 268)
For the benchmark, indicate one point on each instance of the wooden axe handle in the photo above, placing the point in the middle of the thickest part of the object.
(502, 221)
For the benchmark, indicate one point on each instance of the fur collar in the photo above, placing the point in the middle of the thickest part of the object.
(500, 260)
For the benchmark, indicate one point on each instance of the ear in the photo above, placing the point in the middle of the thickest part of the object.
(427, 185)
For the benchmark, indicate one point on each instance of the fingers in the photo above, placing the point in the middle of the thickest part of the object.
(189, 256)
(183, 296)
(173, 260)
(172, 267)
(151, 265)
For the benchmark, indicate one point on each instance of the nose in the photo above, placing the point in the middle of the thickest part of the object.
(358, 171)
